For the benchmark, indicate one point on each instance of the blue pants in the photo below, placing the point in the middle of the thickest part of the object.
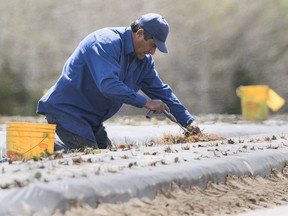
(66, 140)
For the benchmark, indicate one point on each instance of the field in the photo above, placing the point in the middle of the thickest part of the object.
(235, 166)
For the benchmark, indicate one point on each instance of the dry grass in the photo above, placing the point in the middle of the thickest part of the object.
(175, 139)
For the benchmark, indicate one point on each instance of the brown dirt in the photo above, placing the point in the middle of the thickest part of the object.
(238, 194)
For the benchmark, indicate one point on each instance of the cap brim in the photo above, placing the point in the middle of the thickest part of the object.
(161, 45)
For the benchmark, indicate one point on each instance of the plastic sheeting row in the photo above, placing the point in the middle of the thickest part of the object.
(44, 198)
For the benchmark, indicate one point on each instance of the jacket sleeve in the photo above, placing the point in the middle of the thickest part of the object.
(153, 87)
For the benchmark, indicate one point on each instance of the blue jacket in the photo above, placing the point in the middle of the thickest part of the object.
(97, 80)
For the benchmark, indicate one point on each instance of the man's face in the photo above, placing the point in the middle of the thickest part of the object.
(142, 46)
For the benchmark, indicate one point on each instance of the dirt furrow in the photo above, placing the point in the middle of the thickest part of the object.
(238, 194)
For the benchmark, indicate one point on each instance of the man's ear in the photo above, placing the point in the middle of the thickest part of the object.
(140, 33)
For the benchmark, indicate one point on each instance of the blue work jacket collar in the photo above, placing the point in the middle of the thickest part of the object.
(129, 49)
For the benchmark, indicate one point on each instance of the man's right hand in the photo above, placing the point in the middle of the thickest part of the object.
(156, 105)
(193, 128)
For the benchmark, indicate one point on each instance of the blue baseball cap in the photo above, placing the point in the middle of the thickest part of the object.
(158, 27)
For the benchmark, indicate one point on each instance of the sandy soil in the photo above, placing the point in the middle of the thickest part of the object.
(239, 194)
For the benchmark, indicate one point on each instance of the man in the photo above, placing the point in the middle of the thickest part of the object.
(106, 70)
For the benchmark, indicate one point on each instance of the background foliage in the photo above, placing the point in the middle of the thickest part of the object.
(214, 46)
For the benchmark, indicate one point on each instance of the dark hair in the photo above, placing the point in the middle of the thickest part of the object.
(135, 26)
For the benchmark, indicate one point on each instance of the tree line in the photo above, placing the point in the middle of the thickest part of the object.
(214, 47)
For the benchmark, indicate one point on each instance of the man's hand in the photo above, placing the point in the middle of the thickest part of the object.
(157, 105)
(193, 128)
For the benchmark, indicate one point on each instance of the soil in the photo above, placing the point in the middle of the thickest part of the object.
(238, 194)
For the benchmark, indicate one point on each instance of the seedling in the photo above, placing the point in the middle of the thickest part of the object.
(38, 175)
(187, 147)
(168, 149)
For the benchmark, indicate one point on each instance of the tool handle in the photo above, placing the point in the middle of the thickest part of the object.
(149, 114)
(169, 116)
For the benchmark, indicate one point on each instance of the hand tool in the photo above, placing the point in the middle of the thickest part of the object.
(172, 118)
